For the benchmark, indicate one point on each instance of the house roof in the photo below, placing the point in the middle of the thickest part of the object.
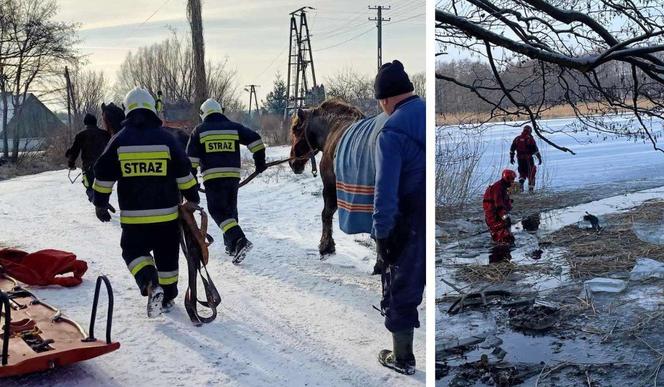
(10, 107)
(36, 119)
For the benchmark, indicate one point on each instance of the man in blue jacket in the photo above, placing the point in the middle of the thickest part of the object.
(399, 212)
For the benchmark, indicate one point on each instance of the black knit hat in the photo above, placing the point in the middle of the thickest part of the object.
(89, 119)
(392, 80)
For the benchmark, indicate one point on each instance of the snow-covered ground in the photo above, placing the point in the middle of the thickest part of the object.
(598, 160)
(286, 318)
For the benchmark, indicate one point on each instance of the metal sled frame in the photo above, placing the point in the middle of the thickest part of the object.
(61, 341)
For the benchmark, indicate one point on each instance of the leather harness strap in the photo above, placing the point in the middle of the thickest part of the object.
(195, 244)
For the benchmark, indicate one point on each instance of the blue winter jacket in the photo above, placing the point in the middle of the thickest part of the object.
(400, 169)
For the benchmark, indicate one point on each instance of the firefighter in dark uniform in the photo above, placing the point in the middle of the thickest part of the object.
(525, 147)
(89, 143)
(151, 170)
(214, 147)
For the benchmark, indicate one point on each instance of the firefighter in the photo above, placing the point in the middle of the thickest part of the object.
(497, 206)
(525, 147)
(399, 212)
(89, 143)
(151, 170)
(214, 147)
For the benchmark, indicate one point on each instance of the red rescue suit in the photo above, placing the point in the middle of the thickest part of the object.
(497, 205)
(44, 267)
(525, 148)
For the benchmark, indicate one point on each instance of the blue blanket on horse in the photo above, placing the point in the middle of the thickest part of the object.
(355, 168)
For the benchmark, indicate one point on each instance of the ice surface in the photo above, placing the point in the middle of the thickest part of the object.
(647, 268)
(604, 285)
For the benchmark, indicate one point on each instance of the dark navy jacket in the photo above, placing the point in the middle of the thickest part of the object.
(400, 169)
(151, 169)
(214, 146)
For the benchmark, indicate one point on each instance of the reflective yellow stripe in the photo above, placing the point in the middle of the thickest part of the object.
(188, 184)
(134, 105)
(168, 281)
(101, 189)
(218, 175)
(143, 155)
(257, 148)
(227, 224)
(215, 137)
(195, 165)
(86, 183)
(148, 219)
(137, 264)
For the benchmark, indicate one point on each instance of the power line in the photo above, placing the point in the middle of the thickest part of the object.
(406, 19)
(347, 40)
(154, 13)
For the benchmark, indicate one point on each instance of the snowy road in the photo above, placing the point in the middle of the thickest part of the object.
(286, 317)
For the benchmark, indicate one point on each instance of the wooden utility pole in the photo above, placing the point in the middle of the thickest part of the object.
(69, 99)
(379, 25)
(194, 14)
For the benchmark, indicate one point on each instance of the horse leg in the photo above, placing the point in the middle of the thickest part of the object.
(327, 245)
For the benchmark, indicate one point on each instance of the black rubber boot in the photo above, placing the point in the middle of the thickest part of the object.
(242, 247)
(401, 358)
(155, 300)
(522, 183)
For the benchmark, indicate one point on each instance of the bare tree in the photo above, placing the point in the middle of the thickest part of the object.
(168, 66)
(563, 53)
(34, 48)
(89, 89)
(354, 88)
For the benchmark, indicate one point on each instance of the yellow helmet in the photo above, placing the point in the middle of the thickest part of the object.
(210, 106)
(139, 98)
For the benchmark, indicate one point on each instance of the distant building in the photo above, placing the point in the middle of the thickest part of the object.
(35, 123)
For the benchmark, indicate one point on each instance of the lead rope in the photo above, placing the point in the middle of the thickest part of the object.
(75, 177)
(307, 156)
(194, 247)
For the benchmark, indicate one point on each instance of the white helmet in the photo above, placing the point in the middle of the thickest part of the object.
(210, 106)
(139, 98)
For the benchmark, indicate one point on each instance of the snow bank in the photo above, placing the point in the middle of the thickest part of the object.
(286, 318)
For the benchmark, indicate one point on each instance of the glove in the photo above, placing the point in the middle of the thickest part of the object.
(384, 255)
(102, 214)
(260, 166)
(190, 206)
(511, 159)
(379, 267)
(539, 161)
(508, 221)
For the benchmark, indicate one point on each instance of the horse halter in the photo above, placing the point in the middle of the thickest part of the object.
(312, 150)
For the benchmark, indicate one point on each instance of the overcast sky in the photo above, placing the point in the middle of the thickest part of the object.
(253, 34)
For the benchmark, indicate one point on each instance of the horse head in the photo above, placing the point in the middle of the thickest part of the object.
(303, 130)
(310, 129)
(112, 116)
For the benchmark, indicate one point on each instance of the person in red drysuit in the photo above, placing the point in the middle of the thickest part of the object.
(525, 147)
(497, 206)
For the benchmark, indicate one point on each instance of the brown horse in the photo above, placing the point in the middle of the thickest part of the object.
(319, 130)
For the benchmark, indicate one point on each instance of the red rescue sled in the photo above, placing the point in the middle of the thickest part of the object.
(37, 337)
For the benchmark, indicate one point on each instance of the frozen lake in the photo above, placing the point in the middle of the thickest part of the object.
(598, 159)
